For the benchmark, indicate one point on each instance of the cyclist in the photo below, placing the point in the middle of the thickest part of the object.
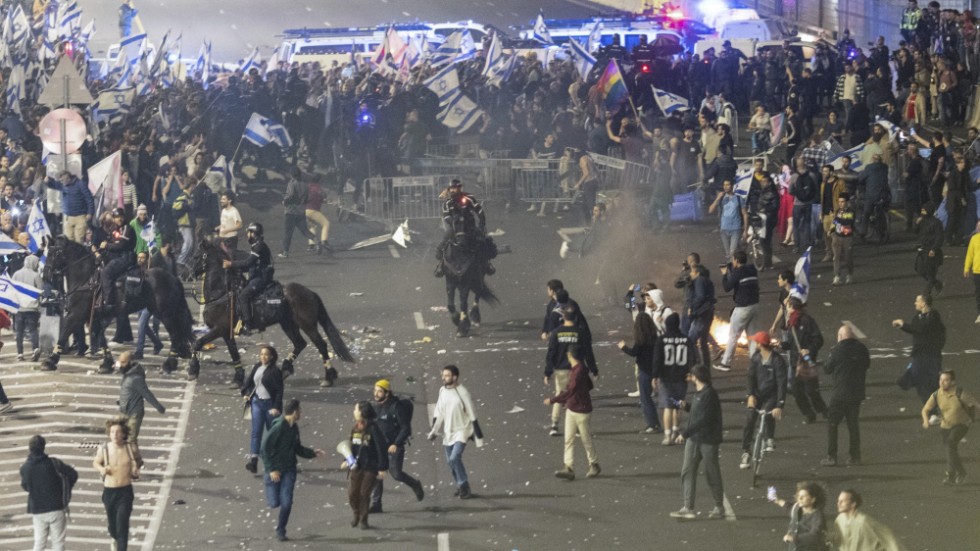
(766, 392)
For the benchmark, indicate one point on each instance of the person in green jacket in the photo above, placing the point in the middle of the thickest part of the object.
(279, 451)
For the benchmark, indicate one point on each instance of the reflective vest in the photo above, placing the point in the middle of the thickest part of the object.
(910, 19)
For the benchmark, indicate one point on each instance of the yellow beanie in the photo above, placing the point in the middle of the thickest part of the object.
(383, 383)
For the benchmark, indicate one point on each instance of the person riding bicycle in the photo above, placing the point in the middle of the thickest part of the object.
(260, 271)
(463, 214)
(768, 373)
(118, 251)
(873, 183)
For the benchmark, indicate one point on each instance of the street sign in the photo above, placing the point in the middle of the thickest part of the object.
(66, 86)
(51, 129)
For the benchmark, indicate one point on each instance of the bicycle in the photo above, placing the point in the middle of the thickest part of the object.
(756, 233)
(878, 225)
(758, 446)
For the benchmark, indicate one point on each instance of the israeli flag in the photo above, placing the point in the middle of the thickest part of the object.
(743, 181)
(262, 131)
(461, 113)
(668, 102)
(133, 46)
(889, 127)
(149, 234)
(458, 47)
(13, 294)
(595, 38)
(69, 19)
(444, 84)
(37, 228)
(583, 60)
(541, 33)
(855, 153)
(251, 61)
(114, 102)
(19, 27)
(87, 33)
(492, 54)
(500, 73)
(801, 289)
(8, 245)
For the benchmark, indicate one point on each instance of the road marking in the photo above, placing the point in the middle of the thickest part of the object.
(857, 332)
(393, 251)
(729, 511)
(419, 322)
(776, 259)
(443, 541)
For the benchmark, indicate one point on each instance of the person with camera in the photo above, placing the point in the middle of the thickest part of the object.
(805, 341)
(766, 392)
(742, 280)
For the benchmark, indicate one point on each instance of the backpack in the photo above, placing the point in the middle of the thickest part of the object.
(408, 407)
(66, 483)
(970, 411)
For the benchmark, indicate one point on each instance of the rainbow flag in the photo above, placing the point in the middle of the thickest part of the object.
(612, 87)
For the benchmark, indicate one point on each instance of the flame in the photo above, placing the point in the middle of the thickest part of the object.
(720, 329)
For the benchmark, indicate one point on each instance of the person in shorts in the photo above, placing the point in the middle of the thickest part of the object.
(673, 357)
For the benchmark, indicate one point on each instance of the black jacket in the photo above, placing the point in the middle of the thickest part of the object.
(552, 315)
(272, 381)
(767, 382)
(393, 420)
(258, 262)
(673, 356)
(809, 337)
(704, 424)
(643, 355)
(44, 479)
(744, 280)
(560, 339)
(848, 364)
(370, 448)
(928, 334)
(122, 243)
(931, 233)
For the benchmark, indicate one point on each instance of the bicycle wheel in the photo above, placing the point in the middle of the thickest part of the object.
(757, 454)
(755, 249)
(885, 228)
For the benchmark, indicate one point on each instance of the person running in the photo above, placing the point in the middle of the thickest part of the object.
(367, 463)
(133, 392)
(959, 409)
(116, 463)
(807, 524)
(395, 420)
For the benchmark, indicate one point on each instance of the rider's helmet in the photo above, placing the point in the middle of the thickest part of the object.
(455, 187)
(254, 231)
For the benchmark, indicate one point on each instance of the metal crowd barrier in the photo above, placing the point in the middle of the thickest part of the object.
(414, 197)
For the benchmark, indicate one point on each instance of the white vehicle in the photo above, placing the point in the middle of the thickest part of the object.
(721, 18)
(629, 29)
(757, 29)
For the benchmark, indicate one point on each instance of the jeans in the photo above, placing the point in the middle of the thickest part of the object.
(53, 524)
(27, 322)
(280, 494)
(699, 334)
(647, 405)
(578, 423)
(395, 465)
(143, 330)
(294, 222)
(808, 399)
(751, 418)
(454, 457)
(802, 226)
(743, 319)
(837, 412)
(187, 247)
(730, 240)
(694, 453)
(261, 418)
(951, 441)
(118, 504)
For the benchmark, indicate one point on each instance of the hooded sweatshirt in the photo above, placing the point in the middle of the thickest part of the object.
(29, 275)
(673, 353)
(133, 391)
(41, 477)
(662, 312)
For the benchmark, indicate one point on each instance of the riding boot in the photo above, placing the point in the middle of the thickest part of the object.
(238, 379)
(439, 271)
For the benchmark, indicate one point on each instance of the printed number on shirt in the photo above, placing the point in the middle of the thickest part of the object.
(675, 354)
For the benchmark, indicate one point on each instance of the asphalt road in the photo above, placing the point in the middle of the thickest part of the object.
(237, 26)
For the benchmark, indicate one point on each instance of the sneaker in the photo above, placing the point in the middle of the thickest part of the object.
(419, 491)
(950, 479)
(770, 445)
(722, 367)
(554, 431)
(157, 350)
(4, 408)
(283, 254)
(848, 280)
(594, 471)
(717, 513)
(668, 439)
(20, 357)
(649, 430)
(718, 353)
(281, 537)
(684, 513)
(934, 420)
(566, 473)
(532, 208)
(960, 479)
(36, 355)
(746, 461)
(828, 462)
(837, 281)
(634, 394)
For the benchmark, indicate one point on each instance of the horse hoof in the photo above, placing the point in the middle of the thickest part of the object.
(169, 365)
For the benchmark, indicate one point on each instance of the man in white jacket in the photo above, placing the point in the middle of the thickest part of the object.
(455, 419)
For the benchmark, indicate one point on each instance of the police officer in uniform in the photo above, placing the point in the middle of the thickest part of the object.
(614, 51)
(462, 213)
(118, 251)
(259, 267)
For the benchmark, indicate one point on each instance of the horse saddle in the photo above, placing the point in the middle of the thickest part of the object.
(131, 283)
(267, 304)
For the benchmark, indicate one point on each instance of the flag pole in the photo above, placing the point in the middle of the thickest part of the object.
(635, 113)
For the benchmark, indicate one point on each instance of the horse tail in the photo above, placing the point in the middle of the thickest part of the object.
(333, 334)
(486, 294)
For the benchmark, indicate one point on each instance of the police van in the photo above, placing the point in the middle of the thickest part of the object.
(329, 45)
(629, 29)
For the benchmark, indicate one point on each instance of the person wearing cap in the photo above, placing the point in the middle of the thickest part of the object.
(395, 421)
(141, 224)
(118, 252)
(766, 392)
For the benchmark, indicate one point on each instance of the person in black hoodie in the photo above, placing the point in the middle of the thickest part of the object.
(395, 420)
(928, 338)
(263, 388)
(368, 461)
(848, 365)
(673, 357)
(805, 343)
(48, 483)
(930, 254)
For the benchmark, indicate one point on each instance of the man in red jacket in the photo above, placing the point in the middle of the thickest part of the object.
(578, 402)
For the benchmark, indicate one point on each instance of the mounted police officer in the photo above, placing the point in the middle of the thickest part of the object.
(118, 252)
(259, 268)
(463, 214)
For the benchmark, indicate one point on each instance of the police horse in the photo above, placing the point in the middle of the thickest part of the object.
(293, 307)
(156, 289)
(465, 263)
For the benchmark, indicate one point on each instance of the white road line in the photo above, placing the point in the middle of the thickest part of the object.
(857, 332)
(393, 251)
(419, 322)
(729, 511)
(442, 541)
(185, 413)
(83, 395)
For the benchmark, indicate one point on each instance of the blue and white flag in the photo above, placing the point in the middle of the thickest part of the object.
(87, 33)
(17, 29)
(668, 102)
(444, 84)
(8, 245)
(583, 60)
(114, 102)
(801, 289)
(501, 71)
(595, 38)
(262, 131)
(460, 113)
(37, 228)
(251, 61)
(458, 47)
(15, 89)
(743, 181)
(218, 177)
(133, 46)
(889, 127)
(149, 234)
(855, 153)
(540, 32)
(69, 19)
(492, 54)
(13, 294)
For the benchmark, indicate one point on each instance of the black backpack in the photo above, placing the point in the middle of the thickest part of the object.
(408, 407)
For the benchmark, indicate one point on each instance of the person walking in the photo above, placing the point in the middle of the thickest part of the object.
(573, 330)
(577, 400)
(279, 451)
(701, 439)
(733, 218)
(959, 409)
(294, 212)
(930, 254)
(700, 305)
(455, 418)
(766, 392)
(971, 268)
(263, 390)
(116, 463)
(805, 343)
(842, 241)
(367, 463)
(27, 320)
(395, 420)
(315, 217)
(807, 524)
(644, 339)
(673, 357)
(48, 482)
(926, 358)
(133, 391)
(848, 365)
(856, 531)
(742, 280)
